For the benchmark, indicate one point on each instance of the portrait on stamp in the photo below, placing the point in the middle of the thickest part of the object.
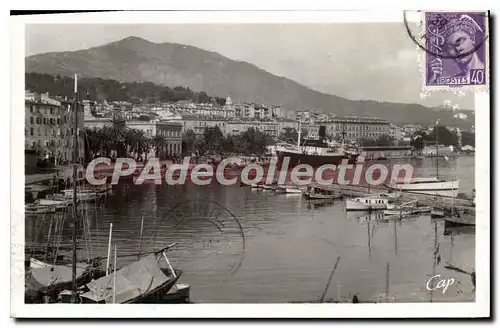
(455, 48)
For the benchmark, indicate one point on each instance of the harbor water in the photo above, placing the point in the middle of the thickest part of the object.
(235, 244)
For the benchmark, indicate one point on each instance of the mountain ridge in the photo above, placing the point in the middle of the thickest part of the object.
(135, 59)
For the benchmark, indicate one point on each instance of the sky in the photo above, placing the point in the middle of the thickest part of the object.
(368, 61)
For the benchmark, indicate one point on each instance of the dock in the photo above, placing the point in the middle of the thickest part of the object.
(359, 191)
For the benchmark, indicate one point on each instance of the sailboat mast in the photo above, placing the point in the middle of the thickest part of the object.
(437, 150)
(75, 160)
(299, 133)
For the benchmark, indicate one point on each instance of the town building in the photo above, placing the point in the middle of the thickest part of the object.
(171, 130)
(270, 128)
(409, 129)
(49, 127)
(395, 132)
(355, 128)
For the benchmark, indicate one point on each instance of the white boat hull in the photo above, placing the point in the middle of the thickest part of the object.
(288, 190)
(430, 187)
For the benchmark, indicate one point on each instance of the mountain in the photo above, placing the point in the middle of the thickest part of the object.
(137, 60)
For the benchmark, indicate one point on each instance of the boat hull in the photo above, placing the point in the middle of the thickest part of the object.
(321, 196)
(353, 205)
(461, 221)
(437, 213)
(436, 188)
(313, 160)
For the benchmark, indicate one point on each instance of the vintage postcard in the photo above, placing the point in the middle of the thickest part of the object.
(250, 165)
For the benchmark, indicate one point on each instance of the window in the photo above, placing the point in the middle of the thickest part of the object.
(32, 132)
(38, 120)
(58, 121)
(32, 108)
(51, 110)
(44, 120)
(32, 121)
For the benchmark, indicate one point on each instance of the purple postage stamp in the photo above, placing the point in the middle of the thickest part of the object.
(456, 50)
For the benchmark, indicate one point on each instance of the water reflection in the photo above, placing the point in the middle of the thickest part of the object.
(243, 245)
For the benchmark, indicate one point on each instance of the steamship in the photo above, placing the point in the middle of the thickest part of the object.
(314, 151)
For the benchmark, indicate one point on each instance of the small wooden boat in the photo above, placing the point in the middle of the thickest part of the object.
(36, 208)
(322, 193)
(392, 196)
(145, 281)
(54, 201)
(258, 185)
(179, 293)
(82, 194)
(461, 217)
(437, 212)
(288, 189)
(405, 209)
(44, 281)
(367, 203)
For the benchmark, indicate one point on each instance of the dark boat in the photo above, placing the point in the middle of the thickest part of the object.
(314, 152)
(145, 281)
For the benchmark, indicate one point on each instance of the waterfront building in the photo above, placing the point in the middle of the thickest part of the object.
(312, 130)
(171, 130)
(355, 128)
(198, 124)
(379, 152)
(270, 128)
(410, 129)
(395, 132)
(49, 126)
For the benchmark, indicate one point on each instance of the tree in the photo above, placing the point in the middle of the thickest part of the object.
(188, 141)
(468, 138)
(158, 144)
(214, 139)
(418, 143)
(289, 135)
(384, 140)
(254, 142)
(444, 136)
